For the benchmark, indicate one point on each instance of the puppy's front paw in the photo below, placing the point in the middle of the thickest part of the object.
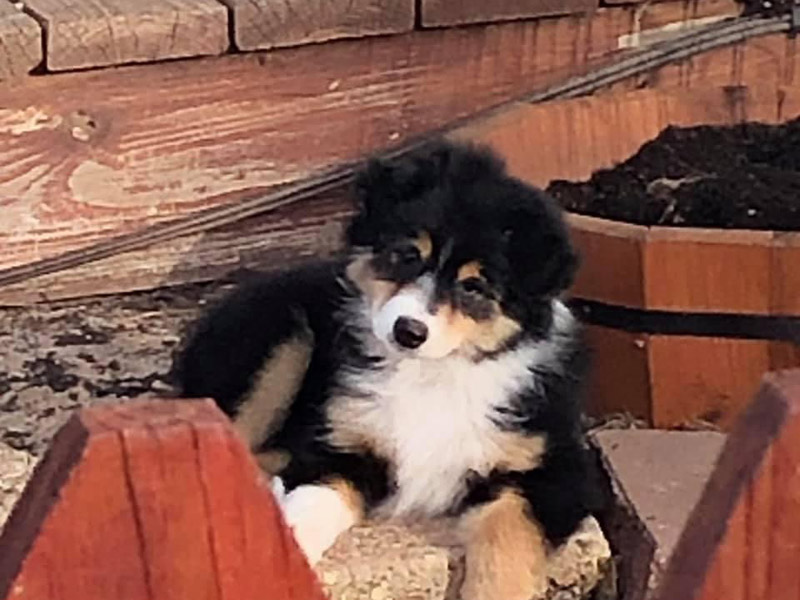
(317, 515)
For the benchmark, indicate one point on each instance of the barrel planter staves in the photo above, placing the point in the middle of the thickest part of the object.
(684, 322)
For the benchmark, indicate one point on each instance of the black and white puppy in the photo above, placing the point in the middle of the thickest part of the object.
(433, 371)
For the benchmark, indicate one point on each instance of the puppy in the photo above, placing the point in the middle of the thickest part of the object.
(432, 371)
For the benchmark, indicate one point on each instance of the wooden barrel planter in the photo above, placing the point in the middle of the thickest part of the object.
(685, 322)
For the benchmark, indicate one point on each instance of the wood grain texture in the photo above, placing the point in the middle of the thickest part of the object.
(717, 556)
(289, 236)
(754, 63)
(619, 381)
(438, 13)
(705, 270)
(785, 274)
(784, 576)
(617, 278)
(726, 578)
(76, 169)
(784, 355)
(158, 499)
(20, 42)
(708, 379)
(759, 530)
(759, 551)
(93, 33)
(261, 24)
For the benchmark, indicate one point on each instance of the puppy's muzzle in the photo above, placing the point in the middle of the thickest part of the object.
(410, 333)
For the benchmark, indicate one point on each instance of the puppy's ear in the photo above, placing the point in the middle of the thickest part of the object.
(384, 185)
(375, 186)
(539, 248)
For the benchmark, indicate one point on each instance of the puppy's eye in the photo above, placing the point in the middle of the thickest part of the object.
(476, 287)
(407, 255)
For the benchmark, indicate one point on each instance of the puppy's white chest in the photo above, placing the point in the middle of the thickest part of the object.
(433, 419)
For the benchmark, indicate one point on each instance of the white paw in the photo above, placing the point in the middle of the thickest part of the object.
(317, 515)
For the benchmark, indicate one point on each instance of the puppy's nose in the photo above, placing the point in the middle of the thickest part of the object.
(409, 332)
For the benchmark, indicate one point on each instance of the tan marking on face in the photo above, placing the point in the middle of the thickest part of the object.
(469, 270)
(487, 335)
(505, 551)
(349, 494)
(274, 388)
(424, 244)
(377, 291)
(490, 335)
(273, 462)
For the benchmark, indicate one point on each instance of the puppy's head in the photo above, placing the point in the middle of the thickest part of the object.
(455, 256)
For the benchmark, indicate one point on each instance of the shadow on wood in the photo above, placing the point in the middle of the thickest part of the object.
(150, 499)
(742, 539)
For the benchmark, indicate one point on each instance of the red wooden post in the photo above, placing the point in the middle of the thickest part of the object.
(150, 500)
(742, 540)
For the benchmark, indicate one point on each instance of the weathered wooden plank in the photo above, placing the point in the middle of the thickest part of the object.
(76, 169)
(150, 499)
(261, 24)
(271, 242)
(438, 13)
(20, 42)
(93, 33)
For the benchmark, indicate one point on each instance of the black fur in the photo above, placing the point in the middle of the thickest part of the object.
(462, 196)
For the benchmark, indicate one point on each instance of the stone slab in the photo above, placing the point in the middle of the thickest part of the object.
(662, 475)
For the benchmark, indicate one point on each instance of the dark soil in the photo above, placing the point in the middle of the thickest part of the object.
(740, 177)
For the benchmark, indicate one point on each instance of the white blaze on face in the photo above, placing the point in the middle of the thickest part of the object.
(415, 302)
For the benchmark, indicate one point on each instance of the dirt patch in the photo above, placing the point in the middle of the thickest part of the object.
(743, 177)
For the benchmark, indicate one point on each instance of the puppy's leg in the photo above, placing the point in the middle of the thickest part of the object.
(318, 513)
(263, 409)
(505, 551)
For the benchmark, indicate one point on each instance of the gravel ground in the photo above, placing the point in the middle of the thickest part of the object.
(57, 357)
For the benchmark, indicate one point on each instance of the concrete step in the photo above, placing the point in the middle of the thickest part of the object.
(657, 478)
